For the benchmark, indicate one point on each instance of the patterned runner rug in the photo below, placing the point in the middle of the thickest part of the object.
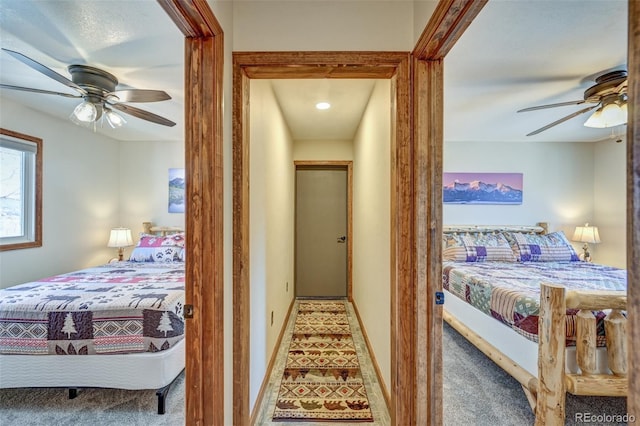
(322, 379)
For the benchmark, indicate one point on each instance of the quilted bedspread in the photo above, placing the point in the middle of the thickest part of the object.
(119, 307)
(510, 291)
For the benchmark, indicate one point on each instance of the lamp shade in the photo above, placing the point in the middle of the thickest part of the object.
(86, 112)
(610, 115)
(114, 119)
(120, 237)
(586, 234)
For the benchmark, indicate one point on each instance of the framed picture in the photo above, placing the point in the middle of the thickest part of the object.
(176, 190)
(482, 188)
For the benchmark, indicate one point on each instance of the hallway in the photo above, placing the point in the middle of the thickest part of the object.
(374, 392)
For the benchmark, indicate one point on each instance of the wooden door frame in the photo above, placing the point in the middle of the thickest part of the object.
(204, 285)
(270, 65)
(348, 165)
(633, 207)
(203, 150)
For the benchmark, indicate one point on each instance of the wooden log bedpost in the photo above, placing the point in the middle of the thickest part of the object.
(550, 404)
(586, 341)
(589, 380)
(615, 329)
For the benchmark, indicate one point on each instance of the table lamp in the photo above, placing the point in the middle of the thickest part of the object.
(120, 238)
(586, 234)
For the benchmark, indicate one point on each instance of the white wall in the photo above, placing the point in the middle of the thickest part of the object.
(422, 11)
(371, 225)
(313, 150)
(564, 184)
(325, 25)
(610, 207)
(271, 222)
(144, 189)
(79, 197)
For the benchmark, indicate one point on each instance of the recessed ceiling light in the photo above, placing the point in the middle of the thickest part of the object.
(323, 105)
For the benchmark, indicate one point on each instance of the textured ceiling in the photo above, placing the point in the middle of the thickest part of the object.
(138, 44)
(516, 54)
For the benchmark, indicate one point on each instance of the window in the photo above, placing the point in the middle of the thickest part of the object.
(20, 191)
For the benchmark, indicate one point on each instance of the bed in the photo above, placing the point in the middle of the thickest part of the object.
(117, 325)
(524, 298)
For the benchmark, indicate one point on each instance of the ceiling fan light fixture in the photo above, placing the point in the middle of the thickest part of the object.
(86, 112)
(595, 120)
(609, 115)
(114, 119)
(97, 88)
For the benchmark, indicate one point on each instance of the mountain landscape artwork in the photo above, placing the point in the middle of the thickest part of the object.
(176, 190)
(482, 188)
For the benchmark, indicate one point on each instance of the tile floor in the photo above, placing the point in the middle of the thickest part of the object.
(374, 392)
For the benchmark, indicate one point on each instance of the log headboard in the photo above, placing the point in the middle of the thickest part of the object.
(539, 228)
(160, 230)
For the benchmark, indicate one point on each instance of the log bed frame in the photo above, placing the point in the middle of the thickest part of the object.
(546, 393)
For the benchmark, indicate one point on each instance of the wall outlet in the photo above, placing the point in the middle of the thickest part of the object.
(271, 317)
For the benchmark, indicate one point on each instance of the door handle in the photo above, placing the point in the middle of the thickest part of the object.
(342, 239)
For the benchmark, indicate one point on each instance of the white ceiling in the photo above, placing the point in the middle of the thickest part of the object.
(136, 41)
(516, 54)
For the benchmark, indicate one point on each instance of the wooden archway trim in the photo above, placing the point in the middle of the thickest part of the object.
(247, 65)
(204, 288)
(448, 22)
(633, 208)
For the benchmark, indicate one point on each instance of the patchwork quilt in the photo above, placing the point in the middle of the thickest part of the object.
(119, 307)
(510, 291)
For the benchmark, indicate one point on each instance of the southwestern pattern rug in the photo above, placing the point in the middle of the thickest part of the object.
(322, 380)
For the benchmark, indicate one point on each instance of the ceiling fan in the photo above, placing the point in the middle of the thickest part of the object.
(97, 88)
(609, 95)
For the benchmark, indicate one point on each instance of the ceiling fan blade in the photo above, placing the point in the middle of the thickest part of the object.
(562, 120)
(140, 95)
(145, 115)
(45, 70)
(46, 92)
(552, 105)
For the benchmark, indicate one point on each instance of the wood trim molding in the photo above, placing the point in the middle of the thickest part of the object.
(403, 378)
(247, 65)
(447, 24)
(428, 116)
(374, 361)
(278, 65)
(349, 167)
(194, 18)
(37, 205)
(241, 237)
(633, 207)
(204, 286)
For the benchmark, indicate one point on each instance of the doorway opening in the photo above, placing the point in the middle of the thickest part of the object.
(392, 66)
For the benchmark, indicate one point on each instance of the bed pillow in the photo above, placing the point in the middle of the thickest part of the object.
(477, 247)
(153, 248)
(553, 247)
